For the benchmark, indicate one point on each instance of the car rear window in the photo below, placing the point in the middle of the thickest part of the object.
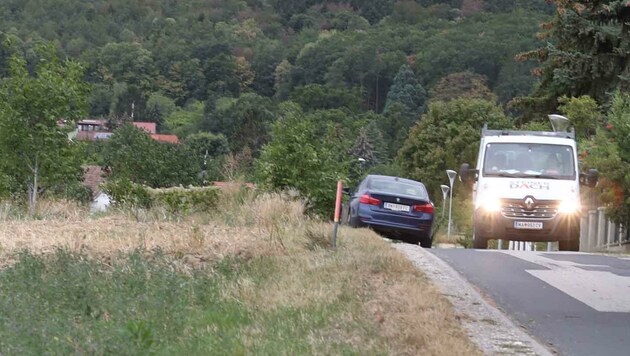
(396, 188)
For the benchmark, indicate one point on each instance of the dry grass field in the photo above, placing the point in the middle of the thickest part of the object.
(255, 277)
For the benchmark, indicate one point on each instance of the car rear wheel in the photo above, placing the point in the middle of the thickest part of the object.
(352, 221)
(426, 242)
(345, 215)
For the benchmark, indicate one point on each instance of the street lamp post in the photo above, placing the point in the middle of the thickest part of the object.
(451, 178)
(445, 190)
(361, 164)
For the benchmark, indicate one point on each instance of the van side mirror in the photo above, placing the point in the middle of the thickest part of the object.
(346, 191)
(465, 173)
(590, 178)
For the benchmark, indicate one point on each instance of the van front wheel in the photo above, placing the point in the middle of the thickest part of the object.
(479, 242)
(569, 245)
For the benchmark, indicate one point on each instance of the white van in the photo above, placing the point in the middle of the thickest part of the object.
(527, 186)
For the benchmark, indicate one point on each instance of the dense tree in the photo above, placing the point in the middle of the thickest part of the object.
(185, 121)
(132, 154)
(358, 69)
(407, 91)
(585, 52)
(318, 97)
(395, 126)
(609, 152)
(447, 136)
(584, 114)
(303, 154)
(36, 113)
(207, 145)
(245, 120)
(462, 85)
(158, 109)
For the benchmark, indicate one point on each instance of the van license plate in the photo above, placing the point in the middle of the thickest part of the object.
(530, 225)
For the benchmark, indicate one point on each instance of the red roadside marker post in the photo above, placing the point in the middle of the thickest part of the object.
(337, 213)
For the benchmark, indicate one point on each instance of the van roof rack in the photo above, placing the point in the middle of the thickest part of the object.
(561, 134)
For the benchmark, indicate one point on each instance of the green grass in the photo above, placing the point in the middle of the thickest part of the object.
(141, 303)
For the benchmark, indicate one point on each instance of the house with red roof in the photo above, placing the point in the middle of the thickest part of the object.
(94, 130)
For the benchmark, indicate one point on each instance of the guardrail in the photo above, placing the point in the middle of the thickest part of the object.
(600, 234)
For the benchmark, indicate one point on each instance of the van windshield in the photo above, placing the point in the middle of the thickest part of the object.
(530, 160)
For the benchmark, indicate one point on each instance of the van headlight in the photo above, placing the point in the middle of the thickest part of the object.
(569, 206)
(491, 205)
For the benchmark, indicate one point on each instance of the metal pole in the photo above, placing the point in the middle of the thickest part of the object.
(592, 229)
(445, 189)
(451, 177)
(584, 243)
(601, 227)
(611, 233)
(337, 213)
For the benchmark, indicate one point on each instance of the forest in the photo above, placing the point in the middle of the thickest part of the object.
(290, 94)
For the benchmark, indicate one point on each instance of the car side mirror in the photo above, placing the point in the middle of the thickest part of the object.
(590, 179)
(465, 173)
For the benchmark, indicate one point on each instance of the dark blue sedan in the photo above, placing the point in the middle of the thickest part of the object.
(395, 207)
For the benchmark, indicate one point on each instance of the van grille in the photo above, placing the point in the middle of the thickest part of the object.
(515, 209)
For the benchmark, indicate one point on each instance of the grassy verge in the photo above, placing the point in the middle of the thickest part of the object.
(260, 279)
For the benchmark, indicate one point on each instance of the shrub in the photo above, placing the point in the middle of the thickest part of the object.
(179, 200)
(125, 193)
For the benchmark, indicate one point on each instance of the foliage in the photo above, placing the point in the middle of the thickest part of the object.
(462, 85)
(185, 200)
(244, 121)
(447, 136)
(159, 107)
(583, 53)
(395, 127)
(304, 155)
(132, 154)
(36, 152)
(126, 193)
(184, 121)
(206, 143)
(322, 97)
(609, 152)
(408, 92)
(223, 67)
(583, 112)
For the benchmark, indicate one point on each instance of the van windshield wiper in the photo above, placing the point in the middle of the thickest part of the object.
(501, 174)
(544, 176)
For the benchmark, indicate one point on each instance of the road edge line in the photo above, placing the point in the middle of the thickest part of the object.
(486, 325)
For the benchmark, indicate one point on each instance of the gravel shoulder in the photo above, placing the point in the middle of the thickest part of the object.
(492, 331)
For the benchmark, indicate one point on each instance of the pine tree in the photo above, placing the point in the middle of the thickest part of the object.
(407, 91)
(363, 147)
(586, 53)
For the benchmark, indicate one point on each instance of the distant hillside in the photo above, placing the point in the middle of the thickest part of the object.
(164, 56)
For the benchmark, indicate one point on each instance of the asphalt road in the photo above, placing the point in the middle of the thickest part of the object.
(574, 303)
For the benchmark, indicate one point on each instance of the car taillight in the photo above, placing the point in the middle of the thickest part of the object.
(424, 208)
(367, 199)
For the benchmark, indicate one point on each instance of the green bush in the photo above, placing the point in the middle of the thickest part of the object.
(176, 200)
(125, 193)
(185, 200)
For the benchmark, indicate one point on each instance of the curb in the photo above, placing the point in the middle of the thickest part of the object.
(489, 328)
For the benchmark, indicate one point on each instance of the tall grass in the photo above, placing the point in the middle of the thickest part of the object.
(256, 276)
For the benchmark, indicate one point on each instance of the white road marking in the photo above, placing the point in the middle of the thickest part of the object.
(601, 290)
